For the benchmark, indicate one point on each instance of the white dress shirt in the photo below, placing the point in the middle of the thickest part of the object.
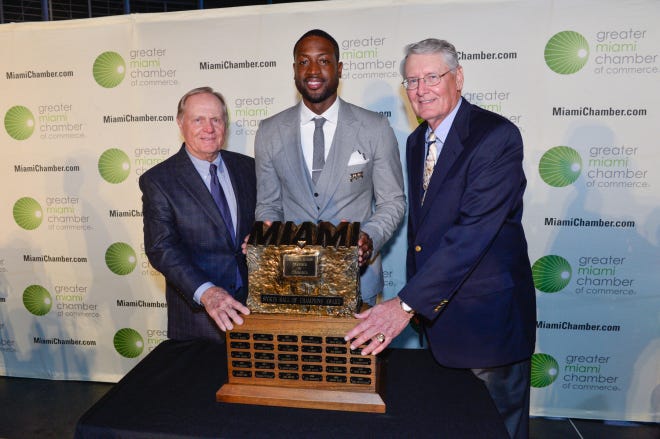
(307, 126)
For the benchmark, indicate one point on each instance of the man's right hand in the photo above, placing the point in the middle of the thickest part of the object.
(223, 308)
(247, 238)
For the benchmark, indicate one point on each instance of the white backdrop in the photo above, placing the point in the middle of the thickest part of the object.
(88, 105)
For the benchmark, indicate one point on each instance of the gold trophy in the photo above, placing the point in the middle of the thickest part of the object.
(303, 289)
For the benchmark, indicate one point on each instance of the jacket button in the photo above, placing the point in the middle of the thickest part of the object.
(440, 305)
(418, 248)
(316, 194)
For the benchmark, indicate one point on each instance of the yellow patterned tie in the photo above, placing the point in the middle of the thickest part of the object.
(429, 163)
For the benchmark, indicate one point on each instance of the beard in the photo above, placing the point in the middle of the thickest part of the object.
(317, 96)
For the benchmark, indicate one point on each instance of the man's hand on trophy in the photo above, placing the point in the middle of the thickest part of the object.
(378, 327)
(365, 249)
(247, 238)
(245, 243)
(223, 308)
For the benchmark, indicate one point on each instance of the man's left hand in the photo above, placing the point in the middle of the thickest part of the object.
(365, 249)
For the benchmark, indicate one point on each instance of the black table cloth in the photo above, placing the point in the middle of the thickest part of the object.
(171, 394)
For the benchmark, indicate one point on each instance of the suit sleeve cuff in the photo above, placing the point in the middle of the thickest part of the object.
(200, 290)
(374, 234)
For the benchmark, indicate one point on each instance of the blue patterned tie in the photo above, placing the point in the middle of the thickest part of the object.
(221, 201)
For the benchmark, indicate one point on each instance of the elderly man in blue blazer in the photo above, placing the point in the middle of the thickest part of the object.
(469, 276)
(356, 175)
(198, 205)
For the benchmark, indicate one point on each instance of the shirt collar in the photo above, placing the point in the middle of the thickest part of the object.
(331, 114)
(202, 166)
(443, 129)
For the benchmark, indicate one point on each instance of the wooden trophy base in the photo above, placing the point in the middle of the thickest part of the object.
(301, 398)
(299, 361)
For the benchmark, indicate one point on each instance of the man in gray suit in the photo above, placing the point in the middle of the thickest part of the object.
(327, 160)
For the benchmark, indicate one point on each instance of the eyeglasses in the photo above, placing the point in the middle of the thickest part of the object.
(430, 80)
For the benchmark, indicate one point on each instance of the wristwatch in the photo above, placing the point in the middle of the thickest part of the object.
(405, 307)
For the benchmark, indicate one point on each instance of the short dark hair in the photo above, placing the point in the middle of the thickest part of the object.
(202, 90)
(318, 33)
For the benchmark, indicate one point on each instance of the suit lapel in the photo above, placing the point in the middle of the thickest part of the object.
(451, 150)
(294, 158)
(238, 183)
(340, 152)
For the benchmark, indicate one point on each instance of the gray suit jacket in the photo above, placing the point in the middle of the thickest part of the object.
(369, 190)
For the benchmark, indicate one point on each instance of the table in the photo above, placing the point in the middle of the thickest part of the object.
(171, 394)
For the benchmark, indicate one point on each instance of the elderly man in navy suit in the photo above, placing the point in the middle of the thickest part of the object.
(198, 205)
(469, 276)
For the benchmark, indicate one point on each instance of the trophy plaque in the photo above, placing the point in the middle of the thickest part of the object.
(290, 351)
(307, 269)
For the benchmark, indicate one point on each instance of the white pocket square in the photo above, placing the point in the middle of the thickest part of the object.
(357, 158)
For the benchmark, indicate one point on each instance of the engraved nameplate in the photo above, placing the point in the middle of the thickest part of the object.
(300, 265)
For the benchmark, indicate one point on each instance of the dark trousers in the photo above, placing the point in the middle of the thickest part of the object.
(509, 387)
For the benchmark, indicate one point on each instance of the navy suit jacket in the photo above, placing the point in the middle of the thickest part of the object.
(469, 275)
(185, 237)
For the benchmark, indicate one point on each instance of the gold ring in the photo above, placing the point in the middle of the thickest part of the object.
(380, 337)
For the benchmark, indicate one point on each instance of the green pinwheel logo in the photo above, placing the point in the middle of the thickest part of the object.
(128, 342)
(28, 213)
(37, 300)
(120, 258)
(544, 370)
(551, 273)
(109, 69)
(560, 166)
(114, 165)
(19, 122)
(566, 52)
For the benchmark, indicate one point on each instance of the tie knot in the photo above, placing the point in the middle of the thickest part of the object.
(431, 138)
(213, 168)
(319, 121)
